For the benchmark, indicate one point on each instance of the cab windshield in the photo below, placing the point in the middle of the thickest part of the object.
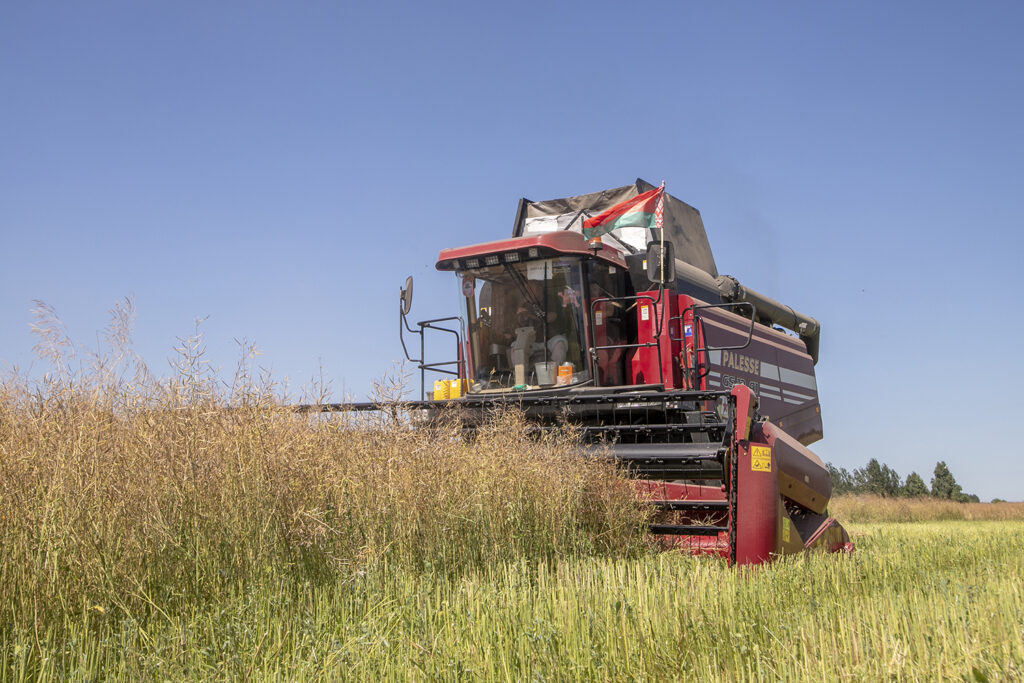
(526, 324)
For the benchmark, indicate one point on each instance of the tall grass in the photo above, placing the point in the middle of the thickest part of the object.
(140, 495)
(187, 528)
(867, 508)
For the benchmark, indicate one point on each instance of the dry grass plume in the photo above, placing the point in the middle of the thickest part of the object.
(867, 508)
(139, 493)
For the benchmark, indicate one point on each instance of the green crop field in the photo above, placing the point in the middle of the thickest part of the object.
(937, 600)
(171, 529)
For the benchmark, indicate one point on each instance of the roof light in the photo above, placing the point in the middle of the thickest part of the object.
(472, 263)
(595, 243)
(491, 259)
(532, 252)
(511, 257)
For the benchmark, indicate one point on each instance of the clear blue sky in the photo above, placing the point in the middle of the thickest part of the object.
(281, 167)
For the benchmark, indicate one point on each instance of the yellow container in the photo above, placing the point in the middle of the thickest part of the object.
(441, 389)
(457, 387)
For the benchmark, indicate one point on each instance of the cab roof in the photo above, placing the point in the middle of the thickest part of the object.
(547, 245)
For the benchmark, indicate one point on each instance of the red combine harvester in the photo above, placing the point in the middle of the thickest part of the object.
(703, 389)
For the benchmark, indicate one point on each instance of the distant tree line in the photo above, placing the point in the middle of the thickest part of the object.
(882, 480)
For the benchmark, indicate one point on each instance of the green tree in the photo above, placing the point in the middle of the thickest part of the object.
(842, 481)
(914, 487)
(876, 478)
(944, 483)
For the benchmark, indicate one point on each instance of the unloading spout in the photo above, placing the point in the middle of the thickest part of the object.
(768, 309)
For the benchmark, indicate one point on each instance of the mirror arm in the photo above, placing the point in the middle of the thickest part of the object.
(403, 322)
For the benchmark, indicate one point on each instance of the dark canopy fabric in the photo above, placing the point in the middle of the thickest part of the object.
(683, 225)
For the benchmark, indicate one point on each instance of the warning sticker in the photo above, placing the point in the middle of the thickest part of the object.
(761, 458)
(645, 313)
(785, 531)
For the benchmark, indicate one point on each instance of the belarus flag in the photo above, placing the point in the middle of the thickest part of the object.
(639, 212)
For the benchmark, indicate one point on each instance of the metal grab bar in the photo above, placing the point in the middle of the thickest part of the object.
(425, 325)
(697, 371)
(592, 350)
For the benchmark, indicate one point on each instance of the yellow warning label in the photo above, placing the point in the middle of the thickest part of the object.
(785, 531)
(761, 458)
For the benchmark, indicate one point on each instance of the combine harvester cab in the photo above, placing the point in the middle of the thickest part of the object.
(686, 378)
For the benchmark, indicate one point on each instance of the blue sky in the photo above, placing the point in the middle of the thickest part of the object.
(279, 168)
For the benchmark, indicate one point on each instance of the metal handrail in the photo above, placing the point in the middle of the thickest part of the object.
(423, 367)
(697, 350)
(592, 350)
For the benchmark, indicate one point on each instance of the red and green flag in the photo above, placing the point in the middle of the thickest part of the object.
(642, 211)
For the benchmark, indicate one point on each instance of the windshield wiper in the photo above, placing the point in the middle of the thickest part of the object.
(525, 290)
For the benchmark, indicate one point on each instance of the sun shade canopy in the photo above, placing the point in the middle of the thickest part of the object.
(683, 224)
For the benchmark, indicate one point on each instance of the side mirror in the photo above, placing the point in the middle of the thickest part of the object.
(661, 263)
(406, 296)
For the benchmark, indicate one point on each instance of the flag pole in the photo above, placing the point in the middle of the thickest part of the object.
(659, 223)
(659, 214)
